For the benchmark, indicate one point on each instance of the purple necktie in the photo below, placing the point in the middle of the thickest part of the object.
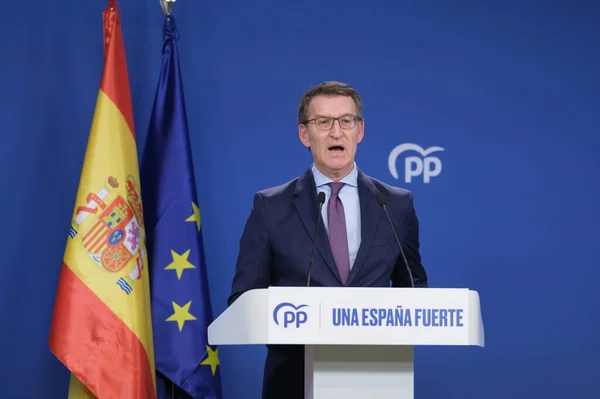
(338, 239)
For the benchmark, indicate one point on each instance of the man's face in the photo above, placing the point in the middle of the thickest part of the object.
(333, 148)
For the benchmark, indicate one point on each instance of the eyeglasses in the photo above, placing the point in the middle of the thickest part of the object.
(326, 123)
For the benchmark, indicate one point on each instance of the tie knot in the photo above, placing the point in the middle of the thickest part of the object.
(336, 187)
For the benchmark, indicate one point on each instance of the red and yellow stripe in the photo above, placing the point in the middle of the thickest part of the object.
(95, 240)
(99, 332)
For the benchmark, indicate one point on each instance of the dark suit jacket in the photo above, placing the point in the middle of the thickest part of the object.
(275, 249)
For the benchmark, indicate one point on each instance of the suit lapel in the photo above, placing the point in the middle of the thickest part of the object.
(370, 211)
(305, 201)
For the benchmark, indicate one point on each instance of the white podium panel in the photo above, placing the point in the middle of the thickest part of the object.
(359, 371)
(359, 341)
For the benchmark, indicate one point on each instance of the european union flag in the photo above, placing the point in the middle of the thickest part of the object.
(186, 365)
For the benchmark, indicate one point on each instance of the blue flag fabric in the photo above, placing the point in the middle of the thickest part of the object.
(181, 312)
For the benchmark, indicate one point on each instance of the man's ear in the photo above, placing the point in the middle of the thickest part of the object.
(303, 134)
(361, 131)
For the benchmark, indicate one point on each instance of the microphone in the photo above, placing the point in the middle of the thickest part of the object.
(321, 201)
(381, 200)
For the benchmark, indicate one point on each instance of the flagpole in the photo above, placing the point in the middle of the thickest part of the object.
(167, 6)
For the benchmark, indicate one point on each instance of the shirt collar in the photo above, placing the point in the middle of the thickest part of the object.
(350, 179)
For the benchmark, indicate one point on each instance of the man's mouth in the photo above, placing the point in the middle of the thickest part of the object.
(336, 148)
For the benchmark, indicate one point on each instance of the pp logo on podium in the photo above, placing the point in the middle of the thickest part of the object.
(289, 315)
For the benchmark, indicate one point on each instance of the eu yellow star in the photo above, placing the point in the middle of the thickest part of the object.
(195, 217)
(212, 359)
(180, 263)
(181, 315)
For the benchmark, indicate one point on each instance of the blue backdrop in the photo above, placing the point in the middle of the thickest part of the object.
(509, 90)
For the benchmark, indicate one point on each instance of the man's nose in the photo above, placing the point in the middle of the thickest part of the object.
(336, 129)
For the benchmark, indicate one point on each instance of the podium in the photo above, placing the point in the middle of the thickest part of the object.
(358, 341)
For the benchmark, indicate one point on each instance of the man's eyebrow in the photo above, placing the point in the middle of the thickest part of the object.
(328, 116)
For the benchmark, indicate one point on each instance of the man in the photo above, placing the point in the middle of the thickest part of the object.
(355, 247)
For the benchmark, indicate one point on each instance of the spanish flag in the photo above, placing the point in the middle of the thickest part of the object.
(101, 327)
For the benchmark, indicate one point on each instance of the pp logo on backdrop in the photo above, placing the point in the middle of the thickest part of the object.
(426, 165)
(289, 315)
